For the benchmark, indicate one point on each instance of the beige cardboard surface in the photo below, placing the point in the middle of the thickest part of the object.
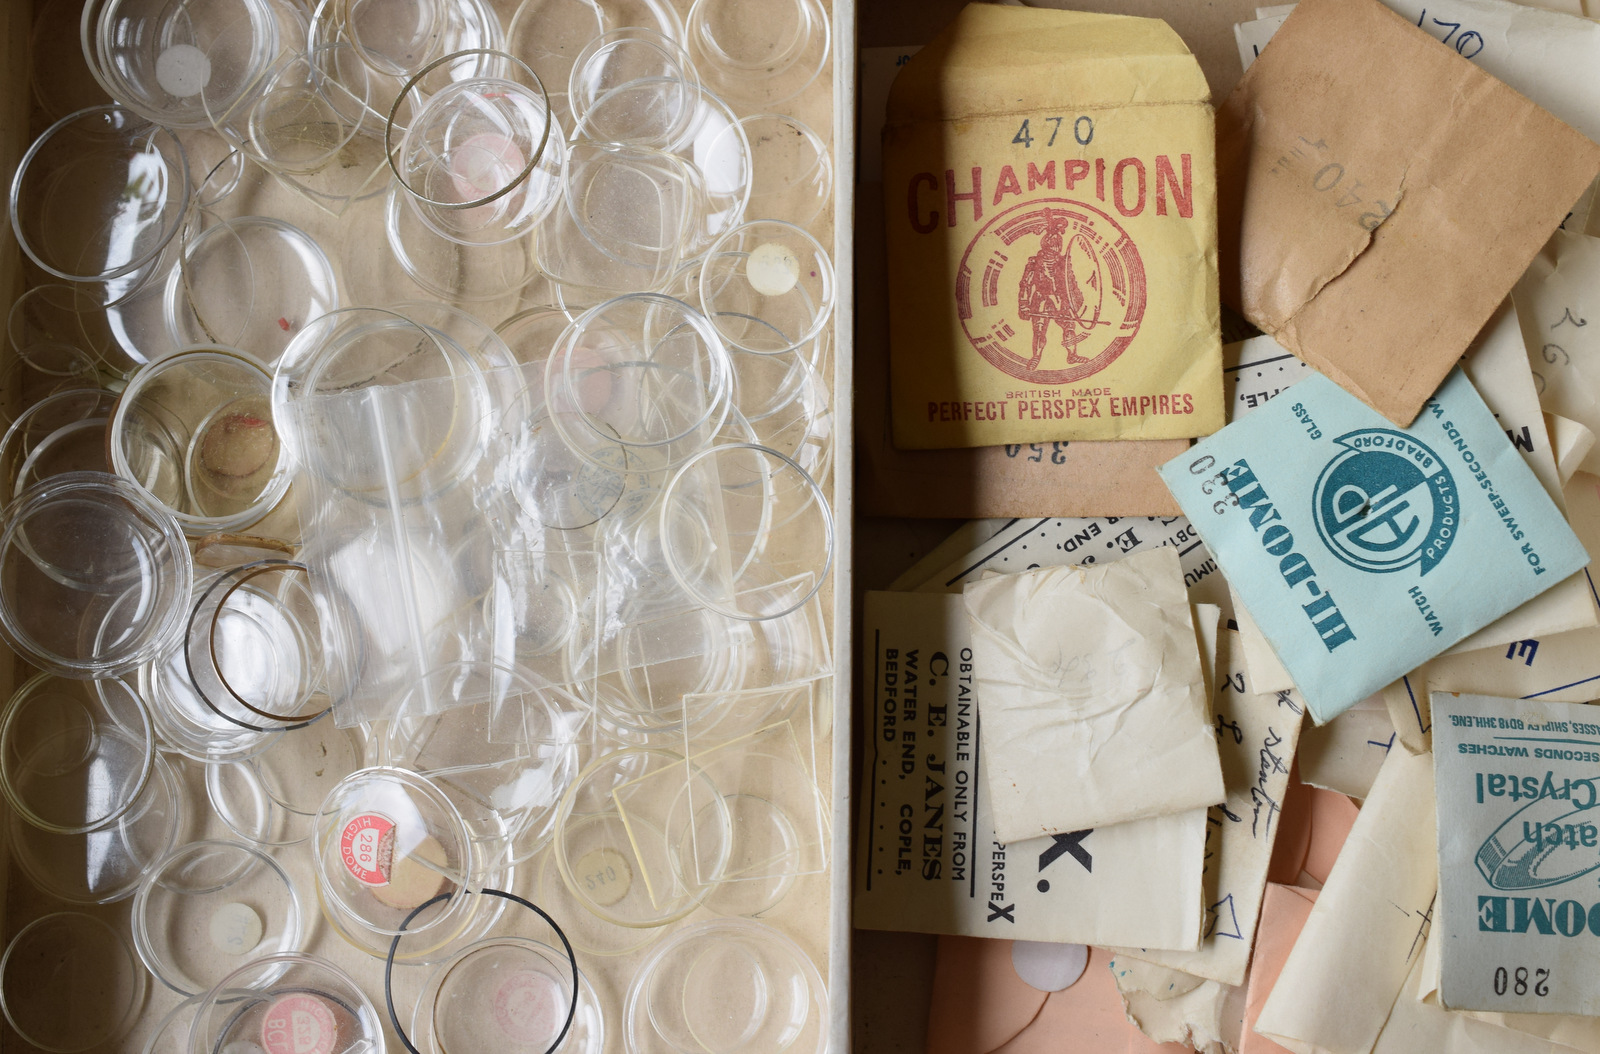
(1048, 203)
(1347, 155)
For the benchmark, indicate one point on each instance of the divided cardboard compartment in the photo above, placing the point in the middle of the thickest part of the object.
(816, 913)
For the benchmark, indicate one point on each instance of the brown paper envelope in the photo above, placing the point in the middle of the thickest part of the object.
(1114, 478)
(1379, 195)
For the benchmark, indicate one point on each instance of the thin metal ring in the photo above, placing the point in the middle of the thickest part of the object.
(533, 162)
(188, 658)
(394, 948)
(254, 571)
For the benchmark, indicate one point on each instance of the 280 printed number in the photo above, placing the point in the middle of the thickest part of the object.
(1520, 979)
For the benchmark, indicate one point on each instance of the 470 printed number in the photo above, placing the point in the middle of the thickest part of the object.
(1082, 131)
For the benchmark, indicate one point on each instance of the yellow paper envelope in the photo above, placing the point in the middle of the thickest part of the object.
(1049, 202)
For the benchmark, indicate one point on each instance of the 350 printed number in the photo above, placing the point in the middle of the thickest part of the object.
(1082, 131)
(1058, 454)
(1519, 980)
(1210, 485)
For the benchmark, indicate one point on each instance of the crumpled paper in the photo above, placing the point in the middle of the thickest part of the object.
(1092, 704)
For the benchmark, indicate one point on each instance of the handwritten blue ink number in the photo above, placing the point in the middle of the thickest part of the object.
(1470, 38)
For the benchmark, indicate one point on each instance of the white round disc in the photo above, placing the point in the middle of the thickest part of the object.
(235, 928)
(183, 70)
(1049, 967)
(773, 269)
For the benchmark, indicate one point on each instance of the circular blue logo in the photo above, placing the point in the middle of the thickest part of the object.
(1386, 502)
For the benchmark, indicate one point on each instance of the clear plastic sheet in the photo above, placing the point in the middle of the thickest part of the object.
(506, 759)
(748, 807)
(396, 531)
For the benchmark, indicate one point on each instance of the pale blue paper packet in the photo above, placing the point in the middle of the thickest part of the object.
(1362, 550)
(1517, 789)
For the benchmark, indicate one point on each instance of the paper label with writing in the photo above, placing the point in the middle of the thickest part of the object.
(928, 859)
(1257, 734)
(1557, 301)
(299, 1023)
(1256, 371)
(1362, 550)
(1052, 264)
(1518, 786)
(1555, 668)
(366, 846)
(1028, 543)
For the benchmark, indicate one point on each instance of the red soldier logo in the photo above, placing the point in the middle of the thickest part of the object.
(1079, 294)
(1049, 294)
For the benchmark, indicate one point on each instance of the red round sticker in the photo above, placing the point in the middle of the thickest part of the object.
(299, 1024)
(366, 845)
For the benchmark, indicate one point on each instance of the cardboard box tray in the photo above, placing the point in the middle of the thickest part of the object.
(816, 913)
